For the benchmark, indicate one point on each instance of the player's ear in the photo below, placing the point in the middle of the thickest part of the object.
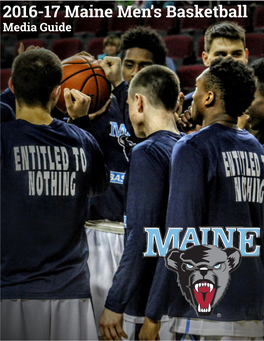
(205, 59)
(233, 258)
(56, 93)
(140, 104)
(209, 98)
(172, 259)
(10, 84)
(246, 52)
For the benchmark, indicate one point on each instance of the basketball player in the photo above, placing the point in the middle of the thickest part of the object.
(152, 101)
(48, 168)
(105, 229)
(204, 192)
(221, 39)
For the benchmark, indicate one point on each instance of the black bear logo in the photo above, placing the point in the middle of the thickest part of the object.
(203, 274)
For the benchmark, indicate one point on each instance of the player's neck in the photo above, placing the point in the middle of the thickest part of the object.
(162, 122)
(221, 118)
(34, 115)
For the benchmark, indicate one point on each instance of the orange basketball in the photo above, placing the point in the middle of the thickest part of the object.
(83, 73)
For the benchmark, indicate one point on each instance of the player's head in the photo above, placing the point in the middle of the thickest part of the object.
(256, 109)
(155, 88)
(140, 47)
(227, 85)
(35, 74)
(224, 39)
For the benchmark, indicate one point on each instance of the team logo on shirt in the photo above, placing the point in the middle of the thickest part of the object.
(203, 274)
(126, 144)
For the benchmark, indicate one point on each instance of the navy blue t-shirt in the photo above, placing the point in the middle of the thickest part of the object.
(217, 180)
(146, 202)
(47, 171)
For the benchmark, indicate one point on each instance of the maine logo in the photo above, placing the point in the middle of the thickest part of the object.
(203, 274)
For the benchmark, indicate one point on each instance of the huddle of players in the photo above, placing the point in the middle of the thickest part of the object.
(134, 292)
(144, 287)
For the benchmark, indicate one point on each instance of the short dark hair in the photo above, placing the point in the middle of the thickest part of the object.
(227, 30)
(34, 75)
(144, 38)
(235, 81)
(159, 84)
(258, 67)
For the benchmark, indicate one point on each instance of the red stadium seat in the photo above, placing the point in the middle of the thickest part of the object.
(255, 44)
(163, 24)
(180, 49)
(187, 75)
(5, 75)
(199, 49)
(244, 22)
(195, 27)
(258, 20)
(91, 26)
(188, 25)
(122, 24)
(95, 46)
(65, 48)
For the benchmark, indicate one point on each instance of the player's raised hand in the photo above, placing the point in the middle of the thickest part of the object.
(112, 69)
(77, 103)
(149, 330)
(21, 48)
(111, 325)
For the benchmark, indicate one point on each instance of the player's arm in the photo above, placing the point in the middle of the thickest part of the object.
(187, 184)
(187, 194)
(112, 69)
(132, 267)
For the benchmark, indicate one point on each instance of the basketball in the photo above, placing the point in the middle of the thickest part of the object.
(83, 73)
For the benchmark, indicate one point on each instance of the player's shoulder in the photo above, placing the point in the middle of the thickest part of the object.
(208, 133)
(156, 140)
(158, 146)
(74, 132)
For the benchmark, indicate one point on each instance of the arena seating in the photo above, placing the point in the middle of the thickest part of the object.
(95, 46)
(180, 49)
(163, 25)
(65, 48)
(119, 25)
(187, 75)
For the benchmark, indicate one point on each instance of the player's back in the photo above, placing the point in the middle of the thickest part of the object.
(47, 171)
(217, 179)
